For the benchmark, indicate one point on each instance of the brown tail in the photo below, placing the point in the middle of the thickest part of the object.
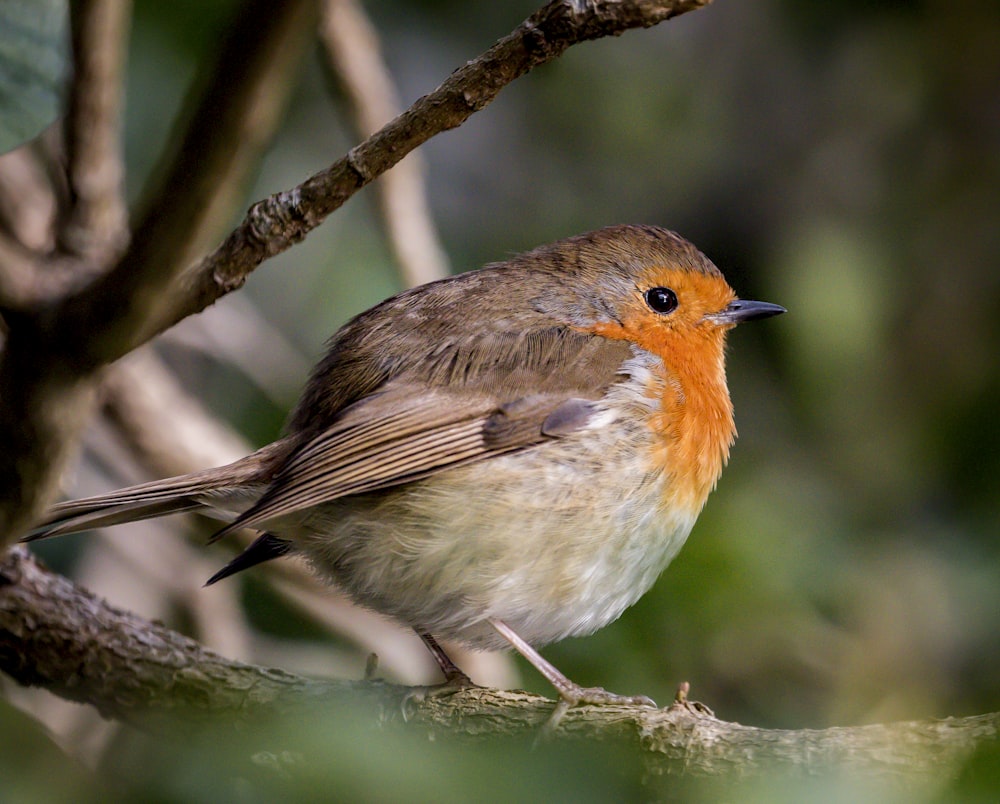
(161, 497)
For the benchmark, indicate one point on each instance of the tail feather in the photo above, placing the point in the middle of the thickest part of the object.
(215, 492)
(244, 479)
(147, 500)
(100, 515)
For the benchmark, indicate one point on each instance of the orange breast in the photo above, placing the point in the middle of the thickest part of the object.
(694, 424)
(695, 430)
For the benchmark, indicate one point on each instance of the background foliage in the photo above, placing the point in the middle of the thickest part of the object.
(841, 160)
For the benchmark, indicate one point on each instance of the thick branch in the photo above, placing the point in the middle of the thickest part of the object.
(235, 116)
(47, 366)
(55, 635)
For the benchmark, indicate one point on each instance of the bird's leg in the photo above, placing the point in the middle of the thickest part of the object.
(454, 679)
(453, 675)
(570, 692)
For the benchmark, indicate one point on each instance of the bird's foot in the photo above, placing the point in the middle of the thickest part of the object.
(571, 694)
(457, 682)
(574, 694)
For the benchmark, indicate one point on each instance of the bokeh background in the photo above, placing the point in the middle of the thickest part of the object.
(842, 160)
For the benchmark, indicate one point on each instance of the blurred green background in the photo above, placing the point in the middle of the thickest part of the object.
(842, 160)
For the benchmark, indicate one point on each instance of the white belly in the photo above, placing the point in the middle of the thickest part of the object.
(556, 541)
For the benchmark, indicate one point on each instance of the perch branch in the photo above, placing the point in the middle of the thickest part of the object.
(140, 672)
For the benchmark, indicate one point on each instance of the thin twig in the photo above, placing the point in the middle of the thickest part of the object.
(95, 225)
(355, 55)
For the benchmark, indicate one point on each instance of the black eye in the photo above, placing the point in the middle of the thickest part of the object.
(661, 300)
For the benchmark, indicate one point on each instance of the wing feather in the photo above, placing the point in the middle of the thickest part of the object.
(478, 393)
(425, 433)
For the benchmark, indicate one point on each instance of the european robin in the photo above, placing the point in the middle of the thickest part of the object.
(504, 458)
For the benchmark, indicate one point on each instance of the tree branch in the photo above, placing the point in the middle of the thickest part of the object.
(55, 635)
(278, 222)
(46, 369)
(58, 636)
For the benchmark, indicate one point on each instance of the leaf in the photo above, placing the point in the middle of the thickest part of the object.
(34, 53)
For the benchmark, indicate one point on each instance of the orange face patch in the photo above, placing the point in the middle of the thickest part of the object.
(694, 424)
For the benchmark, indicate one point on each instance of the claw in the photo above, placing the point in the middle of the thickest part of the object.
(419, 694)
(571, 695)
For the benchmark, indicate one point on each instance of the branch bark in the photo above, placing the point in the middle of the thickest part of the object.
(56, 635)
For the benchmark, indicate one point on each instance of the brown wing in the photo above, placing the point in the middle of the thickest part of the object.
(404, 434)
(479, 394)
(421, 383)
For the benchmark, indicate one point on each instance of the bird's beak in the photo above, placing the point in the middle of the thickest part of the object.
(740, 310)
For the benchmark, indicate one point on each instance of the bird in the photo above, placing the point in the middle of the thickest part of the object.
(502, 458)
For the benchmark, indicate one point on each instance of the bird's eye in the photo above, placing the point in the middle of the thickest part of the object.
(661, 300)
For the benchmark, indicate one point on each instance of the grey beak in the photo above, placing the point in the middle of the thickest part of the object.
(744, 310)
